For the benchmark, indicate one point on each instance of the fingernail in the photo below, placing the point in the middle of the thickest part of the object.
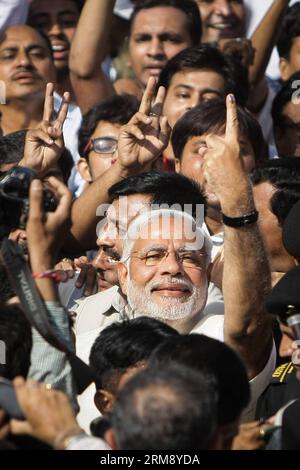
(232, 98)
(36, 184)
(50, 142)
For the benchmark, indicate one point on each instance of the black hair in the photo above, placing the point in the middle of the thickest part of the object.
(285, 178)
(283, 97)
(210, 356)
(166, 408)
(290, 29)
(210, 117)
(277, 171)
(15, 334)
(209, 57)
(123, 345)
(188, 7)
(117, 109)
(12, 147)
(165, 188)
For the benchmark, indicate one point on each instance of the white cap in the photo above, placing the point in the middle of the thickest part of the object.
(124, 9)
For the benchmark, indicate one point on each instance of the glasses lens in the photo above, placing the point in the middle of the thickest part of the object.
(104, 145)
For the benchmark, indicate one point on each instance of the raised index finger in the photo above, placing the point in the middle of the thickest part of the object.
(232, 122)
(147, 98)
(49, 102)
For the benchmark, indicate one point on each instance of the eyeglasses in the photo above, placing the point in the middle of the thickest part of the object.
(188, 259)
(102, 145)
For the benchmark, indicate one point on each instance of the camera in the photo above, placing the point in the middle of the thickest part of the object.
(14, 194)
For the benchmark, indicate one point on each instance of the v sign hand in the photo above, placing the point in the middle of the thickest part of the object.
(45, 144)
(146, 135)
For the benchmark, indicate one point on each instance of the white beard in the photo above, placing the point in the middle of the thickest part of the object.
(141, 302)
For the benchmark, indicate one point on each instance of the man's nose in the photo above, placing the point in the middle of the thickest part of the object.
(156, 49)
(99, 260)
(55, 29)
(223, 8)
(171, 265)
(24, 59)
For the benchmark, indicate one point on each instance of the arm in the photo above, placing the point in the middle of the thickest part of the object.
(92, 33)
(45, 144)
(264, 38)
(140, 144)
(47, 363)
(246, 277)
(53, 421)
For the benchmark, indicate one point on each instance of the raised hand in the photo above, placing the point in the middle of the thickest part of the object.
(146, 135)
(45, 144)
(223, 164)
(45, 230)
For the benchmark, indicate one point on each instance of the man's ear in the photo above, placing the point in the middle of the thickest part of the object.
(208, 271)
(177, 165)
(284, 68)
(123, 276)
(104, 400)
(84, 170)
(110, 439)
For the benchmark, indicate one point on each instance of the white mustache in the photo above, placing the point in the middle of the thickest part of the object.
(171, 281)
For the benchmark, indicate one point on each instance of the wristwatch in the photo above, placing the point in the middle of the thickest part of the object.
(241, 221)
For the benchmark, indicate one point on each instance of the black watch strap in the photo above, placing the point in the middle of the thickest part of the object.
(242, 221)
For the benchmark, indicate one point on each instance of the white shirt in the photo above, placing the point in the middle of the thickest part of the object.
(96, 312)
(12, 12)
(70, 130)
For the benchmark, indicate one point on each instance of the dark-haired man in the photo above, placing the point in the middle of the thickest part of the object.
(99, 133)
(286, 118)
(159, 30)
(57, 20)
(26, 65)
(288, 43)
(222, 19)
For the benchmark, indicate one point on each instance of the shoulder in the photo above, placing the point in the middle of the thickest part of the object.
(282, 373)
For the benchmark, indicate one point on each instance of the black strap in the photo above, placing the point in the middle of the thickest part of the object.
(36, 313)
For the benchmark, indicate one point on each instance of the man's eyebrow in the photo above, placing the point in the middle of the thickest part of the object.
(182, 85)
(198, 142)
(154, 246)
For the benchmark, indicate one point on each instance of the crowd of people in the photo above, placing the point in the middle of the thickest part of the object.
(149, 222)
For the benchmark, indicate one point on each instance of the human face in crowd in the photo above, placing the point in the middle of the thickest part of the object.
(189, 88)
(25, 63)
(270, 229)
(289, 348)
(287, 137)
(290, 65)
(191, 163)
(157, 34)
(104, 399)
(111, 236)
(98, 161)
(169, 290)
(58, 20)
(222, 19)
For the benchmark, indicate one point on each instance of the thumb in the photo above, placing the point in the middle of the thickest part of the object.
(36, 200)
(20, 427)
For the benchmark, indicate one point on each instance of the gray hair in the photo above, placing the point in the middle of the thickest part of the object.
(136, 226)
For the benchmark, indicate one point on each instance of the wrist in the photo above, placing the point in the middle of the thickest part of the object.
(64, 438)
